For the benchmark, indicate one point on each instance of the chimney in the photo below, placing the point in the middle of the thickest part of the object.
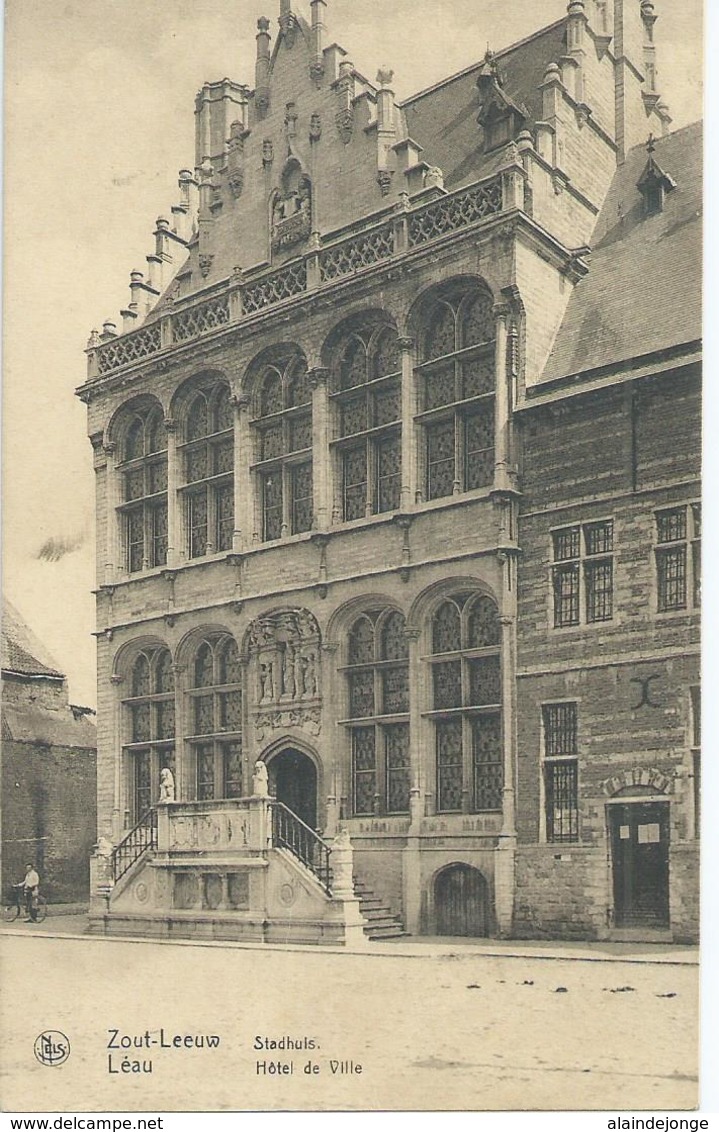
(319, 31)
(262, 66)
(386, 126)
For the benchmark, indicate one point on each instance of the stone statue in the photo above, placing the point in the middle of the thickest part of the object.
(267, 690)
(260, 788)
(167, 786)
(310, 674)
(288, 672)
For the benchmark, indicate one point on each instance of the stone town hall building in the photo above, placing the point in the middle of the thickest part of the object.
(397, 461)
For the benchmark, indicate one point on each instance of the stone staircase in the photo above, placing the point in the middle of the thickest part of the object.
(381, 923)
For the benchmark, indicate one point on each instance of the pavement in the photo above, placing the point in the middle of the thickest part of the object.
(72, 921)
(480, 1025)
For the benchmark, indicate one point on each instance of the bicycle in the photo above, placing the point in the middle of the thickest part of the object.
(14, 905)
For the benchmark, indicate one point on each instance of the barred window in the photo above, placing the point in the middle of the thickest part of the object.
(207, 455)
(283, 429)
(368, 402)
(143, 469)
(149, 727)
(466, 700)
(583, 573)
(678, 558)
(215, 719)
(457, 381)
(561, 771)
(377, 676)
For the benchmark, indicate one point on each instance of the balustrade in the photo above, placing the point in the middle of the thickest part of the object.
(449, 213)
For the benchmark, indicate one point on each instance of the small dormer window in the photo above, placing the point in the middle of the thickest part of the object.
(654, 183)
(500, 117)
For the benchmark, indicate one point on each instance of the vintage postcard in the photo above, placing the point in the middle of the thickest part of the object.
(351, 692)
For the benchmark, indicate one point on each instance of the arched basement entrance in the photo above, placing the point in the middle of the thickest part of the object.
(461, 901)
(292, 779)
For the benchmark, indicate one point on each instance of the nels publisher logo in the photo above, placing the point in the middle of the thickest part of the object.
(52, 1047)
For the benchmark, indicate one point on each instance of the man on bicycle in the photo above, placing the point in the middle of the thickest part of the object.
(31, 888)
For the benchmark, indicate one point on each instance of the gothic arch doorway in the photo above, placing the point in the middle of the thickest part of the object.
(461, 901)
(292, 777)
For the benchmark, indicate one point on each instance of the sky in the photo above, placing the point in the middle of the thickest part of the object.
(99, 102)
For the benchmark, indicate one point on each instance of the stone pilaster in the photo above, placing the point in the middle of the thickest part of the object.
(321, 470)
(173, 479)
(242, 534)
(410, 486)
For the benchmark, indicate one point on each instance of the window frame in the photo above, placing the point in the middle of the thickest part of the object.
(381, 722)
(468, 713)
(288, 461)
(158, 751)
(209, 487)
(373, 437)
(461, 409)
(218, 739)
(685, 549)
(555, 760)
(150, 503)
(580, 565)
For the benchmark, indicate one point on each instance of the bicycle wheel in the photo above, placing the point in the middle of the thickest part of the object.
(41, 912)
(10, 912)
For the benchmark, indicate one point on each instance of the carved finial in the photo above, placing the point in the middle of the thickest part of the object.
(489, 72)
(94, 340)
(263, 25)
(650, 144)
(385, 76)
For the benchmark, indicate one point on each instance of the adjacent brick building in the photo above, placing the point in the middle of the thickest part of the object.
(49, 788)
(397, 460)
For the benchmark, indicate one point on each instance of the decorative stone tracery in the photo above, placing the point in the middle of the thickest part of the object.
(285, 671)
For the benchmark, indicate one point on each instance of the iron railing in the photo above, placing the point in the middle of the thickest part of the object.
(141, 837)
(290, 832)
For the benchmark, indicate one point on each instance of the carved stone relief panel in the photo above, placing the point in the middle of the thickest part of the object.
(285, 671)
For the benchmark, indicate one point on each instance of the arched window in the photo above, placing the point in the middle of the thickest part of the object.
(215, 719)
(457, 381)
(208, 462)
(283, 427)
(466, 703)
(143, 511)
(367, 386)
(378, 693)
(149, 727)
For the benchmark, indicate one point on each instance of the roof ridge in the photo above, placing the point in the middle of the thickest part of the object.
(472, 66)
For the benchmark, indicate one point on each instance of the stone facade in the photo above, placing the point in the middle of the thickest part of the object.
(332, 460)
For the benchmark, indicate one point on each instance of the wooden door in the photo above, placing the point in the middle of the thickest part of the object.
(461, 902)
(639, 834)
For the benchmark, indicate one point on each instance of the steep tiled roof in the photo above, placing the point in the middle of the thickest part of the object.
(643, 290)
(30, 724)
(21, 650)
(443, 119)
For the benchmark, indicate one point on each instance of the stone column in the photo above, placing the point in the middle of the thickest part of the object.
(118, 799)
(174, 526)
(242, 534)
(409, 441)
(113, 500)
(502, 401)
(507, 841)
(183, 751)
(411, 860)
(321, 466)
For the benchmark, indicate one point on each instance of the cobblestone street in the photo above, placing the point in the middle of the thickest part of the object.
(482, 1025)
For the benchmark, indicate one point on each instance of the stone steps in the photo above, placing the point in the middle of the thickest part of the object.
(381, 923)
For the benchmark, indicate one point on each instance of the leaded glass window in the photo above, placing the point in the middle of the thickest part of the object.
(368, 400)
(377, 675)
(457, 383)
(215, 715)
(583, 573)
(207, 459)
(465, 638)
(143, 469)
(149, 727)
(283, 429)
(678, 558)
(561, 798)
